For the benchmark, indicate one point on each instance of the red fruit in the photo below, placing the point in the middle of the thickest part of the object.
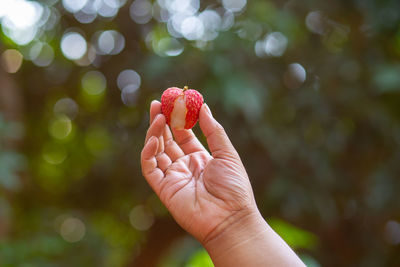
(181, 107)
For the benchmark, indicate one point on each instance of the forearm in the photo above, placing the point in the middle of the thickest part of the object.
(250, 241)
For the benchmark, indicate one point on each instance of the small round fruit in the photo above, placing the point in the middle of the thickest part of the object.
(181, 107)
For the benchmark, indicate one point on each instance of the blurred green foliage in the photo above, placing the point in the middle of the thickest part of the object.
(186, 252)
(10, 161)
(200, 259)
(294, 237)
(309, 92)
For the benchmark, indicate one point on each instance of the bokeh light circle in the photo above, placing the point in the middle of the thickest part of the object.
(74, 5)
(21, 14)
(128, 77)
(141, 11)
(129, 95)
(275, 44)
(109, 42)
(72, 229)
(294, 76)
(314, 22)
(54, 153)
(170, 47)
(192, 28)
(140, 218)
(94, 82)
(211, 21)
(66, 106)
(234, 5)
(60, 127)
(21, 19)
(11, 60)
(41, 54)
(73, 45)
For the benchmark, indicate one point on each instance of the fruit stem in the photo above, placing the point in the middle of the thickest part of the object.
(185, 88)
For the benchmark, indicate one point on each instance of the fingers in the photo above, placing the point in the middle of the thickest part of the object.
(170, 146)
(218, 142)
(156, 128)
(148, 160)
(187, 141)
(150, 171)
(165, 155)
(153, 164)
(163, 161)
(155, 109)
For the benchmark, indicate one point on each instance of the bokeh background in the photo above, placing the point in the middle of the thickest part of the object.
(309, 92)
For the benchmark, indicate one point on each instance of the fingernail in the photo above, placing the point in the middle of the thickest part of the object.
(208, 109)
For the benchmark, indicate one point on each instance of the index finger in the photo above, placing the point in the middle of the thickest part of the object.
(155, 109)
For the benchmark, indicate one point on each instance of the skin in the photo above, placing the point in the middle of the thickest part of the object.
(209, 194)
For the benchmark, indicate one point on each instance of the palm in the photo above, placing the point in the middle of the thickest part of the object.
(200, 191)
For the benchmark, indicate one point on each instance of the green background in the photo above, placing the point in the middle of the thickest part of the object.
(308, 91)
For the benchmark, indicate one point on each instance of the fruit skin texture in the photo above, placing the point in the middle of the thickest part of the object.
(193, 100)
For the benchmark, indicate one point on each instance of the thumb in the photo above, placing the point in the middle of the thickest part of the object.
(218, 142)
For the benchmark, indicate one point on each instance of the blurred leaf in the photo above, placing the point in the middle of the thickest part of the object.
(309, 261)
(295, 237)
(181, 253)
(200, 259)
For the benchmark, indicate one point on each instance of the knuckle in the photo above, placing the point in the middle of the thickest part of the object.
(219, 131)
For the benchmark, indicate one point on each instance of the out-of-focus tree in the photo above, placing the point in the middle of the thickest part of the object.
(309, 92)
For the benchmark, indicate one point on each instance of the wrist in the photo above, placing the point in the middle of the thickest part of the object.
(235, 233)
(245, 239)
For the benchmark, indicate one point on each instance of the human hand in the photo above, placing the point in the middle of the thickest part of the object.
(204, 192)
(210, 195)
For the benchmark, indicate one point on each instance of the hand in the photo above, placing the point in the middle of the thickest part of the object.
(204, 192)
(210, 195)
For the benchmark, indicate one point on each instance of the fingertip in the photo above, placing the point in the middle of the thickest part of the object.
(155, 102)
(159, 118)
(207, 109)
(203, 112)
(205, 119)
(157, 127)
(155, 108)
(217, 139)
(162, 118)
